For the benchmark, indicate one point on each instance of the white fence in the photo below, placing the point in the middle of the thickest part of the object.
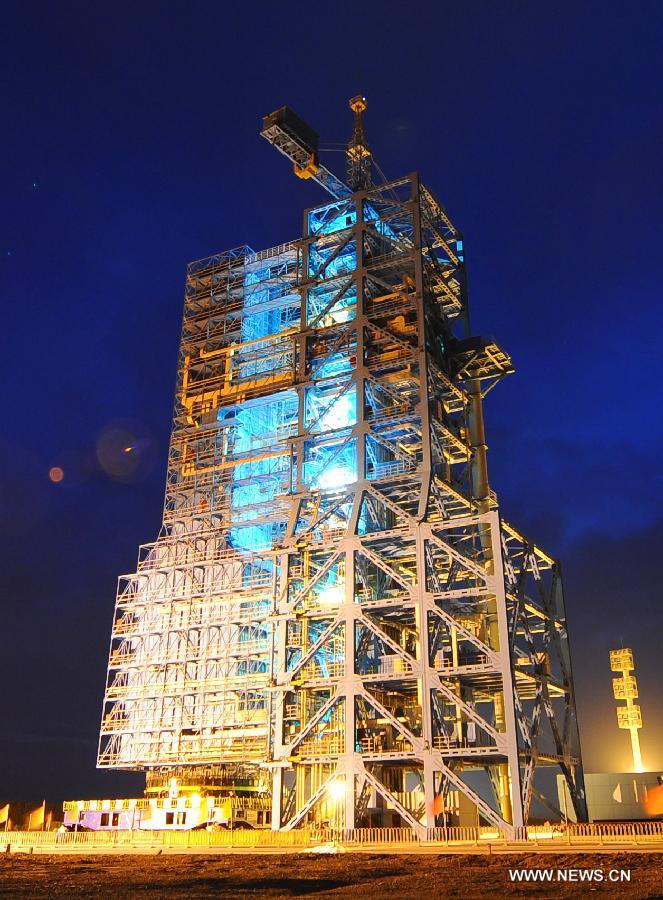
(615, 834)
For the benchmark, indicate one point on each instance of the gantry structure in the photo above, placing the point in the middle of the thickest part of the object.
(335, 608)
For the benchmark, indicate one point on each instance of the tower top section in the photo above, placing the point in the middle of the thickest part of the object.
(359, 158)
(298, 142)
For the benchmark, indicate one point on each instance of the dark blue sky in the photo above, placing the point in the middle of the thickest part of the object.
(130, 146)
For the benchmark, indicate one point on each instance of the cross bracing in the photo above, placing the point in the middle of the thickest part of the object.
(334, 597)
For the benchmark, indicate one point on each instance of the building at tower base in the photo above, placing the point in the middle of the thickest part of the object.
(335, 612)
(617, 796)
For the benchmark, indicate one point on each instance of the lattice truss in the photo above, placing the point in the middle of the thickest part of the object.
(334, 597)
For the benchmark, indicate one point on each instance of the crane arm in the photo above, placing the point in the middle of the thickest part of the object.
(299, 143)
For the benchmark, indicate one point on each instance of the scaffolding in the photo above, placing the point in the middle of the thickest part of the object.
(335, 604)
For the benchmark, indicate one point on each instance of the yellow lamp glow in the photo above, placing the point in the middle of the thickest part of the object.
(336, 790)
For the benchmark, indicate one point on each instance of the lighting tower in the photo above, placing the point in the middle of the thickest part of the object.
(626, 688)
(335, 609)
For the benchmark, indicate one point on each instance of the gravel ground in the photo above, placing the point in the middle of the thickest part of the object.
(297, 875)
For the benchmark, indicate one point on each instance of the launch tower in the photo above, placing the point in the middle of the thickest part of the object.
(335, 612)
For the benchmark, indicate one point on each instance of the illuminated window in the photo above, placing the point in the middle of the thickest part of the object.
(332, 466)
(327, 411)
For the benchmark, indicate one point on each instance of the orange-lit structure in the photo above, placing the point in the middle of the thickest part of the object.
(336, 618)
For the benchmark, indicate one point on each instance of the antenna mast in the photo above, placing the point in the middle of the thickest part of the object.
(359, 158)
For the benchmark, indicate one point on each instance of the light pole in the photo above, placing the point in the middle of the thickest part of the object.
(625, 688)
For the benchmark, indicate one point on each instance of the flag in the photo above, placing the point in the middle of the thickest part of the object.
(36, 819)
(654, 801)
(436, 808)
(4, 816)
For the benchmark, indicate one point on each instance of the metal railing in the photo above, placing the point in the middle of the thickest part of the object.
(138, 838)
(609, 834)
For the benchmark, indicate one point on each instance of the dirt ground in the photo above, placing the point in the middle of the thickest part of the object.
(300, 875)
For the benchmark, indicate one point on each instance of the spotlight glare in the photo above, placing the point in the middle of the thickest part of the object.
(336, 790)
(331, 596)
(336, 477)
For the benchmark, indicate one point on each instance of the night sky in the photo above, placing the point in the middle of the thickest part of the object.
(130, 146)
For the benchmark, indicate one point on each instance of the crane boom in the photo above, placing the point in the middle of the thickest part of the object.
(299, 143)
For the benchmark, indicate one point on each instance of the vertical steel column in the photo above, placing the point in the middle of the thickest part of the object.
(277, 692)
(497, 636)
(508, 773)
(421, 611)
(349, 744)
(350, 600)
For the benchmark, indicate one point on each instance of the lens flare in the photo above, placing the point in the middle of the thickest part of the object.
(124, 451)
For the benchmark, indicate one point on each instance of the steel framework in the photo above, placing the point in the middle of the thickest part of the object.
(334, 602)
